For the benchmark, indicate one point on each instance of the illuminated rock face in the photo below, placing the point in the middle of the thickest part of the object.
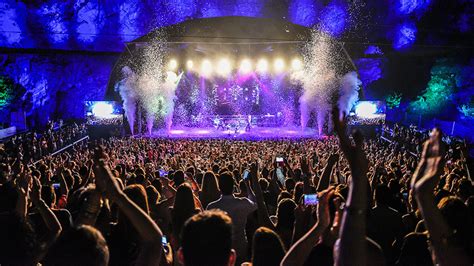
(106, 26)
(58, 84)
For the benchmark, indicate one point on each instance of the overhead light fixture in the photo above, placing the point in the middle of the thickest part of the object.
(279, 65)
(262, 66)
(189, 64)
(173, 64)
(246, 66)
(224, 67)
(296, 64)
(206, 68)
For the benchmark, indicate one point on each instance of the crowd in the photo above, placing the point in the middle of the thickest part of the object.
(137, 201)
(31, 146)
(115, 120)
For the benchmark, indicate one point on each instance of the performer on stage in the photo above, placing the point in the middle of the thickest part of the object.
(249, 121)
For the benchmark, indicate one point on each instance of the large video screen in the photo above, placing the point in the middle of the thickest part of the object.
(103, 113)
(368, 113)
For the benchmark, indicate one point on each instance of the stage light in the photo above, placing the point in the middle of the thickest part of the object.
(245, 66)
(206, 68)
(190, 64)
(173, 64)
(366, 109)
(262, 66)
(279, 65)
(296, 64)
(102, 109)
(224, 67)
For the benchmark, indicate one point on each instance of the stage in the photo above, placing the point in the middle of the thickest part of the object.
(255, 133)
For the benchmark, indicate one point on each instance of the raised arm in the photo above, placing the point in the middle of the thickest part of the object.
(64, 190)
(326, 176)
(306, 174)
(291, 173)
(424, 181)
(49, 218)
(350, 249)
(148, 231)
(263, 215)
(300, 251)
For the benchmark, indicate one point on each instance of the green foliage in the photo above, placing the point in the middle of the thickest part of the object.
(440, 88)
(9, 92)
(393, 100)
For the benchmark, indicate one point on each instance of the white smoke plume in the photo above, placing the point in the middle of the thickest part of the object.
(127, 88)
(318, 79)
(153, 87)
(349, 92)
(320, 82)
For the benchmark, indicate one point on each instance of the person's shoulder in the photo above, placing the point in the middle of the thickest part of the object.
(213, 205)
(243, 199)
(245, 202)
(394, 212)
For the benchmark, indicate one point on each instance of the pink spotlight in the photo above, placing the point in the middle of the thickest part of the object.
(176, 132)
(203, 132)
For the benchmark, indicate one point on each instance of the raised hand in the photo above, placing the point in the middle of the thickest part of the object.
(304, 166)
(431, 164)
(300, 251)
(35, 190)
(324, 218)
(351, 249)
(104, 179)
(423, 182)
(354, 154)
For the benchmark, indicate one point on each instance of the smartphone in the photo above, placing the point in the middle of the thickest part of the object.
(280, 175)
(56, 185)
(279, 159)
(246, 174)
(405, 195)
(164, 243)
(310, 199)
(163, 173)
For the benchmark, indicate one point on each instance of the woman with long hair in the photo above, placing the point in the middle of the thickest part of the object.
(209, 190)
(183, 208)
(267, 248)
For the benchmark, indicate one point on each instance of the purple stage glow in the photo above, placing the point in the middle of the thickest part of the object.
(235, 94)
(255, 133)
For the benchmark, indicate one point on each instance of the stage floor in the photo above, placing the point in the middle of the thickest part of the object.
(254, 133)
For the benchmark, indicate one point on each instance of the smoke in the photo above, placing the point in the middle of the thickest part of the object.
(349, 93)
(321, 82)
(318, 79)
(127, 88)
(153, 87)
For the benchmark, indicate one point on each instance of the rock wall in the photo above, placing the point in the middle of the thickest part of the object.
(57, 83)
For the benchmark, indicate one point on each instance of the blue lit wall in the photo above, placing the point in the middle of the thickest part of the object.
(105, 25)
(101, 25)
(57, 84)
